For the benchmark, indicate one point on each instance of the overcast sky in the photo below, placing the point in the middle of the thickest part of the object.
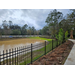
(32, 17)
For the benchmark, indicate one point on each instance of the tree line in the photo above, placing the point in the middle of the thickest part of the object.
(54, 21)
(8, 28)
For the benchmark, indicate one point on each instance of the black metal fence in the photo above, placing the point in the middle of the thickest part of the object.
(27, 54)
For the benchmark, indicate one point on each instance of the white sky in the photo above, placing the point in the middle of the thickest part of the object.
(32, 17)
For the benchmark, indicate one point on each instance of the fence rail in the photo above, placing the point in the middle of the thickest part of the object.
(27, 54)
(20, 36)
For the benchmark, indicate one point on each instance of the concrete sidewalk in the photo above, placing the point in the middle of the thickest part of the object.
(71, 58)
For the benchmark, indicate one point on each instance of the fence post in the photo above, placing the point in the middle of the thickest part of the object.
(45, 47)
(3, 57)
(31, 53)
(0, 57)
(63, 39)
(12, 56)
(57, 42)
(7, 56)
(15, 56)
(52, 44)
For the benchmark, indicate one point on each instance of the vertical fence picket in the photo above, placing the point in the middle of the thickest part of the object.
(31, 53)
(21, 53)
(57, 42)
(7, 56)
(17, 55)
(3, 57)
(45, 47)
(12, 56)
(52, 44)
(25, 55)
(0, 57)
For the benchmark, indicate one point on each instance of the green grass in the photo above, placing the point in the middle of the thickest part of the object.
(38, 53)
(40, 38)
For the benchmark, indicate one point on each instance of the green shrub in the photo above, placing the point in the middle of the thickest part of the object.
(60, 35)
(66, 35)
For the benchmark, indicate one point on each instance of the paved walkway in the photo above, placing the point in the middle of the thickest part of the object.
(71, 58)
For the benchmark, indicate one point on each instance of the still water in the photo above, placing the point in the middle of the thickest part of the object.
(14, 43)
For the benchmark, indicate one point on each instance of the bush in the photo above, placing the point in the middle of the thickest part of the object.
(66, 35)
(60, 35)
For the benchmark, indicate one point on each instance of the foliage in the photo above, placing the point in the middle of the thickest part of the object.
(44, 30)
(16, 32)
(24, 29)
(40, 38)
(33, 30)
(52, 21)
(55, 21)
(66, 35)
(8, 28)
(60, 35)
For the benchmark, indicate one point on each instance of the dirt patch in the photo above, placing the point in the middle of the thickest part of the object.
(56, 56)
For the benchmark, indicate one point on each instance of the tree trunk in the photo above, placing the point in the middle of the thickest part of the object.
(71, 34)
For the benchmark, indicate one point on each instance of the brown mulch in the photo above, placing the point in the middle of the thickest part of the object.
(56, 56)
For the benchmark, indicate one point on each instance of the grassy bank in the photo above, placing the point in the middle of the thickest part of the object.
(40, 52)
(40, 38)
(6, 39)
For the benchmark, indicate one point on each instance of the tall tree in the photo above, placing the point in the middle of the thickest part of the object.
(10, 23)
(40, 32)
(30, 30)
(45, 30)
(6, 29)
(33, 30)
(53, 20)
(24, 29)
(4, 24)
(71, 18)
(68, 23)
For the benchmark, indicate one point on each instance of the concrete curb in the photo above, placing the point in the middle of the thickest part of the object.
(71, 58)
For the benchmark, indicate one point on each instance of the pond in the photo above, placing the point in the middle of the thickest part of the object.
(14, 43)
